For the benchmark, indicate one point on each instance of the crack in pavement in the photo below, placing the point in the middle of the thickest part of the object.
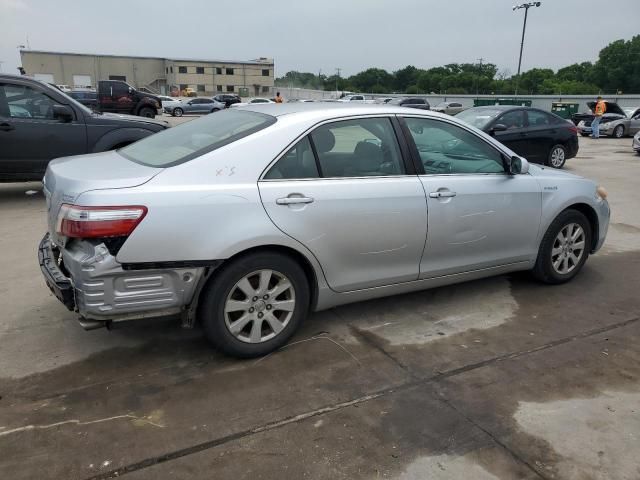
(148, 462)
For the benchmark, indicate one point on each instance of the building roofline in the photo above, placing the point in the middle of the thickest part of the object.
(209, 60)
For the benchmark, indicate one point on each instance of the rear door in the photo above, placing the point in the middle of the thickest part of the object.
(30, 136)
(478, 216)
(543, 133)
(346, 192)
(634, 123)
(515, 136)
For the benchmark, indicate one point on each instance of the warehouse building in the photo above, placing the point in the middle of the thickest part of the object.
(161, 75)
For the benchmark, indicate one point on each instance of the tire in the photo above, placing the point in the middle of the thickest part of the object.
(552, 249)
(557, 156)
(147, 112)
(618, 132)
(224, 304)
(214, 110)
(177, 112)
(585, 134)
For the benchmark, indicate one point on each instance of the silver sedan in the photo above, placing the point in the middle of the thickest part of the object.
(250, 219)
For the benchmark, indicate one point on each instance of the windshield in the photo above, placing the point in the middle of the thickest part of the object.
(479, 117)
(192, 139)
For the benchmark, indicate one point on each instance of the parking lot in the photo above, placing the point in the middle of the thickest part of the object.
(499, 378)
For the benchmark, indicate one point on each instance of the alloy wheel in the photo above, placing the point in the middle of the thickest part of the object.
(557, 157)
(619, 131)
(259, 306)
(568, 248)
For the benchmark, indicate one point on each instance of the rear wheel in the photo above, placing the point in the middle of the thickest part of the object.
(618, 132)
(557, 156)
(214, 110)
(177, 112)
(255, 304)
(564, 248)
(147, 112)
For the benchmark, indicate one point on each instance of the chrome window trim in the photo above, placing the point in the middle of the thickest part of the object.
(389, 116)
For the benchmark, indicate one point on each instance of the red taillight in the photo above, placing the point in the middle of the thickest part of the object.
(97, 222)
(573, 129)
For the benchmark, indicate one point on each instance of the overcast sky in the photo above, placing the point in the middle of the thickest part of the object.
(312, 36)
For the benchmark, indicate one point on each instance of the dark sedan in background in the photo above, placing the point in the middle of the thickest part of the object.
(411, 102)
(539, 136)
(88, 98)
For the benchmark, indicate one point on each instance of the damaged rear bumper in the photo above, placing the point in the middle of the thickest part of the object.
(86, 277)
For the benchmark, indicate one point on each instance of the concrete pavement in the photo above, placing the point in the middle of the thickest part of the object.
(500, 378)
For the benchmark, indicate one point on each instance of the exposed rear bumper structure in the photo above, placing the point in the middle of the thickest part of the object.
(88, 279)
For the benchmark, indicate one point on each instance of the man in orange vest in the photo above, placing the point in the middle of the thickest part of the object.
(278, 98)
(598, 111)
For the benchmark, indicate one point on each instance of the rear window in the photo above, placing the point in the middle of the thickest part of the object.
(192, 139)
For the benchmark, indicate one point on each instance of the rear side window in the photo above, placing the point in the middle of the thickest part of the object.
(538, 119)
(192, 139)
(298, 162)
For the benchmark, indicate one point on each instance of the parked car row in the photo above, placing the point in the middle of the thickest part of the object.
(616, 122)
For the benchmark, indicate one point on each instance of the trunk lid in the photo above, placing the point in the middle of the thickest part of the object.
(612, 107)
(66, 178)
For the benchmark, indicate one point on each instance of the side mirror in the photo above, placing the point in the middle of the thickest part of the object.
(516, 165)
(498, 127)
(62, 113)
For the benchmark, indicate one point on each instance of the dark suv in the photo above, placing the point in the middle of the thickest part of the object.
(228, 99)
(119, 97)
(411, 102)
(39, 123)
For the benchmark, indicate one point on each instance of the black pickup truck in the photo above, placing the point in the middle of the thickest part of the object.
(39, 123)
(116, 96)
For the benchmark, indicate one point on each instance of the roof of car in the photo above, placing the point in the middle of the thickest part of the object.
(329, 109)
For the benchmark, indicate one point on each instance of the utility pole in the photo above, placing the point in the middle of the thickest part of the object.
(526, 7)
(337, 77)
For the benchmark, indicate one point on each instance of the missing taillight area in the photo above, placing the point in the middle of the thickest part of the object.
(76, 221)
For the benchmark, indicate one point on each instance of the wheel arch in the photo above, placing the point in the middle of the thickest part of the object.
(592, 216)
(299, 257)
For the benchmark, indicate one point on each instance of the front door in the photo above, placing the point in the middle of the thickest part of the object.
(515, 136)
(343, 191)
(30, 136)
(478, 215)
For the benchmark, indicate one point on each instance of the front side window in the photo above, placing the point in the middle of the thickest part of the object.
(512, 119)
(445, 148)
(358, 148)
(192, 139)
(299, 162)
(25, 102)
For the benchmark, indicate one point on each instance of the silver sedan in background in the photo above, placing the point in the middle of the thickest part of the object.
(250, 219)
(198, 105)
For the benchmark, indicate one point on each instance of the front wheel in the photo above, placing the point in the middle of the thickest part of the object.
(177, 112)
(147, 112)
(255, 304)
(564, 248)
(214, 110)
(618, 132)
(585, 134)
(557, 156)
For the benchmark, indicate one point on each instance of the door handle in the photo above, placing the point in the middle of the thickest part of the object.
(5, 127)
(293, 200)
(443, 194)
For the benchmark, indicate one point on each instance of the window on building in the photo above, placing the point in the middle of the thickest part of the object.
(218, 70)
(265, 89)
(122, 78)
(218, 88)
(229, 71)
(166, 70)
(183, 86)
(201, 88)
(265, 72)
(200, 70)
(171, 68)
(182, 69)
(230, 88)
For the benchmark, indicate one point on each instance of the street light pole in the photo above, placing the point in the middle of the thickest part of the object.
(526, 7)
